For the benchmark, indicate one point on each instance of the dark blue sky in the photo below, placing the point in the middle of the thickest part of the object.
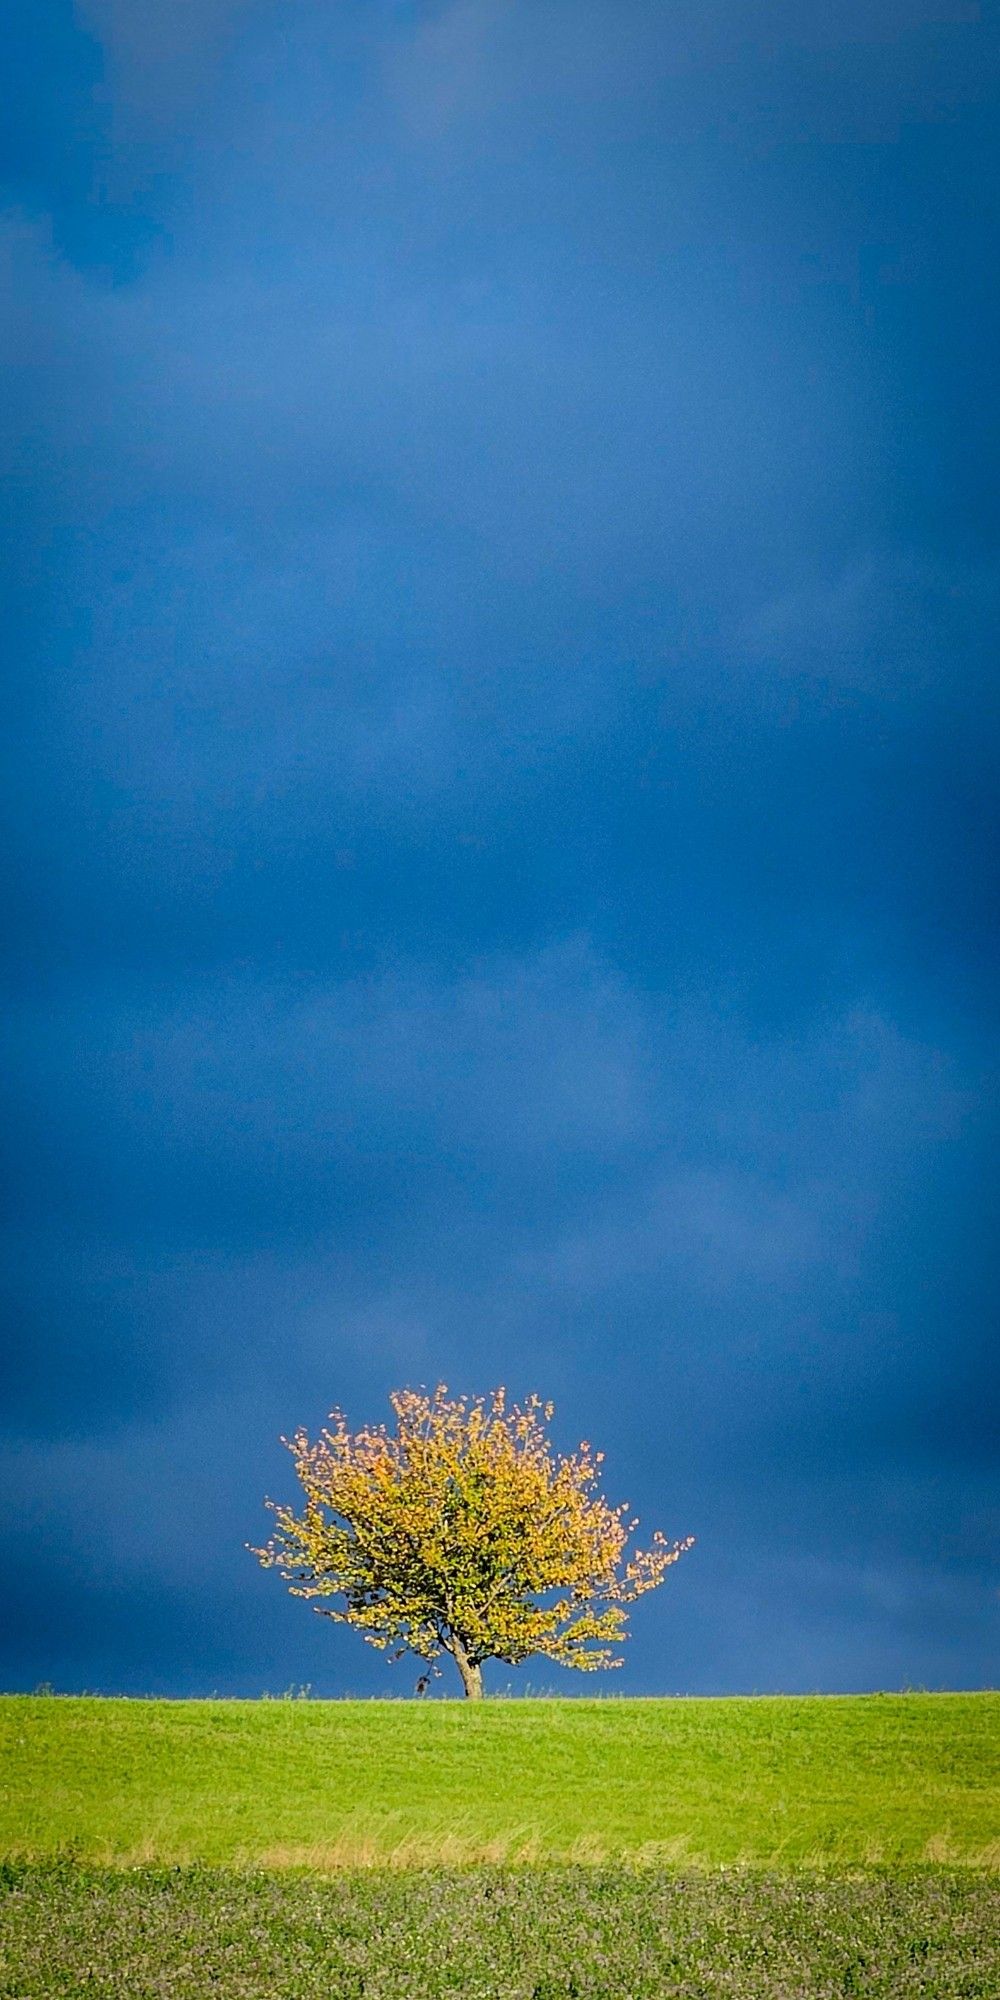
(502, 789)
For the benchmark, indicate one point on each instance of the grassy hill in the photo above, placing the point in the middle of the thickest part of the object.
(776, 1782)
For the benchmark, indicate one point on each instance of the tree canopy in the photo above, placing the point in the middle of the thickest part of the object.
(462, 1531)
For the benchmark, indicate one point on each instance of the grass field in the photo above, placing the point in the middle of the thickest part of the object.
(773, 1782)
(514, 1934)
(771, 1849)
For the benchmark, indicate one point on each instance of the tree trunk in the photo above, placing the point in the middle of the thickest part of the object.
(470, 1670)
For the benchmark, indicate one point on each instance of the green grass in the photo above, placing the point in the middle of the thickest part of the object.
(770, 1782)
(516, 1934)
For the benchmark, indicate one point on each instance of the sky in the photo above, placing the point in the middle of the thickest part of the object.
(500, 776)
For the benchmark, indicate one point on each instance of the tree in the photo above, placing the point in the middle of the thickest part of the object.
(463, 1532)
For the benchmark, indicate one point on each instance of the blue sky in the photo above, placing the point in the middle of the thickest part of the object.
(501, 777)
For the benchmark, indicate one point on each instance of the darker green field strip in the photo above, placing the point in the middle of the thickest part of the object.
(529, 1934)
(779, 1782)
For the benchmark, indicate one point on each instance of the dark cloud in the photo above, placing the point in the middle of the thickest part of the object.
(501, 796)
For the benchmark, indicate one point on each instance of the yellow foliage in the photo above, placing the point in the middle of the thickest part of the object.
(462, 1531)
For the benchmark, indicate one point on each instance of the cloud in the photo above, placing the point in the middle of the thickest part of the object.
(352, 1176)
(900, 629)
(723, 68)
(161, 60)
(501, 743)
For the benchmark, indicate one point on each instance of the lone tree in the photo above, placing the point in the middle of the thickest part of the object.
(463, 1532)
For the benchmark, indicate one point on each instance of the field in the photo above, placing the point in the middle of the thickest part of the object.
(767, 1782)
(523, 1934)
(766, 1849)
